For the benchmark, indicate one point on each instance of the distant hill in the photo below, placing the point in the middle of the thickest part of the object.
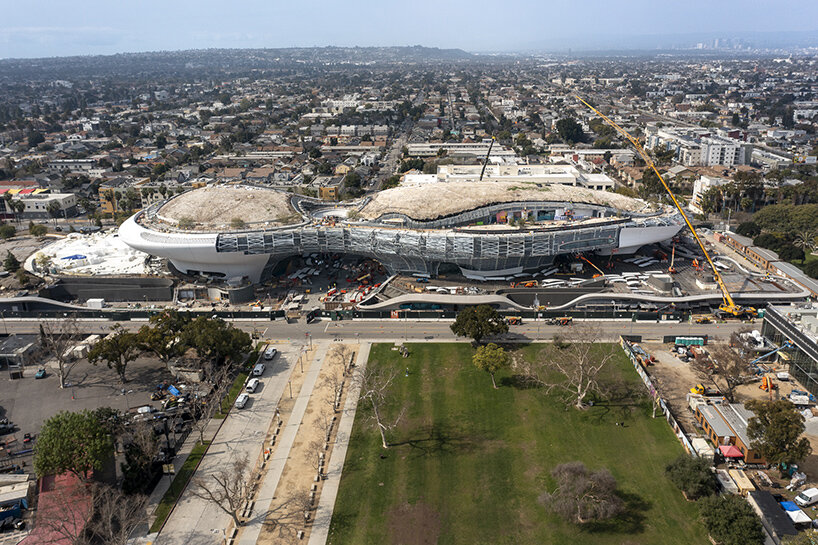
(222, 60)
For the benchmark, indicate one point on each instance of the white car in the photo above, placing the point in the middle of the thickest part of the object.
(242, 400)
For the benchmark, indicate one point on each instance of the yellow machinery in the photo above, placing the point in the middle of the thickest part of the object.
(728, 307)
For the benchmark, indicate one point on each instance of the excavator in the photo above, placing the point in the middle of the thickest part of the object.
(728, 307)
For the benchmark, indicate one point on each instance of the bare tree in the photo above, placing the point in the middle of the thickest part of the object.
(334, 380)
(116, 515)
(582, 496)
(375, 385)
(57, 338)
(63, 515)
(288, 515)
(208, 405)
(343, 353)
(724, 368)
(573, 365)
(228, 489)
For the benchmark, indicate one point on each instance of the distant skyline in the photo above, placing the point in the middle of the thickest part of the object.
(49, 28)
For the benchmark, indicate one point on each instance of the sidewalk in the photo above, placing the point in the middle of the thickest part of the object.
(323, 514)
(196, 521)
(252, 529)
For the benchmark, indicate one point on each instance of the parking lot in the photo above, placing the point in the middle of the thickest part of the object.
(28, 402)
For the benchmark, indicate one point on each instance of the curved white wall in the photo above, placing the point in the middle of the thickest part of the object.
(192, 251)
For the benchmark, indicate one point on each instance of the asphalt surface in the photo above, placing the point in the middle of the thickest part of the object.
(399, 329)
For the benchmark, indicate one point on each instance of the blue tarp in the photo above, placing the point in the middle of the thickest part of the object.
(75, 256)
(789, 506)
(173, 391)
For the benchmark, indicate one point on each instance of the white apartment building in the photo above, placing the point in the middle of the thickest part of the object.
(699, 147)
(700, 187)
(479, 149)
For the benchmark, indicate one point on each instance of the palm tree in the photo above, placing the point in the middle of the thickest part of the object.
(806, 240)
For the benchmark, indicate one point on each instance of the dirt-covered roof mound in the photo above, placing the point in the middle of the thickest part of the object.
(224, 206)
(440, 199)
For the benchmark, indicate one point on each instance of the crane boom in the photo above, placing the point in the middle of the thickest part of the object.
(728, 304)
(486, 160)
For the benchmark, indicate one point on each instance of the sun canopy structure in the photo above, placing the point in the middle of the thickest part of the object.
(730, 451)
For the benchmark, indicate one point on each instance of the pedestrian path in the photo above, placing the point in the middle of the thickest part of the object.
(195, 521)
(323, 514)
(252, 528)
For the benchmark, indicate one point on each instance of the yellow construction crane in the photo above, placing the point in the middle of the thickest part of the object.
(728, 306)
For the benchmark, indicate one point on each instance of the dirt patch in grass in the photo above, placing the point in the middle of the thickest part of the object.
(416, 524)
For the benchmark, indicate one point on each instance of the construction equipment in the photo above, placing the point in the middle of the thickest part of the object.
(588, 261)
(671, 269)
(702, 319)
(728, 307)
(514, 320)
(703, 390)
(752, 364)
(767, 384)
(563, 320)
(486, 160)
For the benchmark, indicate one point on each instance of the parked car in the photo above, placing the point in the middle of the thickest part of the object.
(252, 384)
(807, 497)
(242, 400)
(40, 373)
(258, 370)
(270, 353)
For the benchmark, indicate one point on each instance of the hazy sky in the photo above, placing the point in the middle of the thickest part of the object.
(31, 28)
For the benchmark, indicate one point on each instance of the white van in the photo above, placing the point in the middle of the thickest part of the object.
(807, 497)
(258, 370)
(241, 401)
(252, 384)
(270, 353)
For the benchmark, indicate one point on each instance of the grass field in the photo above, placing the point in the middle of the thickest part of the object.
(469, 462)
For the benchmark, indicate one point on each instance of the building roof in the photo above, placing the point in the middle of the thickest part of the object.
(434, 200)
(738, 418)
(715, 421)
(774, 516)
(214, 207)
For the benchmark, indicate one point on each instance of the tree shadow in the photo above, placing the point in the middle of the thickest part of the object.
(435, 439)
(630, 521)
(519, 382)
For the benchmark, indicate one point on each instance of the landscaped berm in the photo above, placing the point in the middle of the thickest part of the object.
(468, 462)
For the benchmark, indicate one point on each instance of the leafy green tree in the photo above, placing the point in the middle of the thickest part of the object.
(7, 231)
(748, 229)
(72, 441)
(117, 350)
(730, 520)
(811, 269)
(37, 229)
(35, 138)
(570, 131)
(163, 335)
(11, 263)
(479, 322)
(692, 476)
(216, 340)
(775, 432)
(491, 358)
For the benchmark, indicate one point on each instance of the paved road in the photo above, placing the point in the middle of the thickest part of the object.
(197, 522)
(397, 329)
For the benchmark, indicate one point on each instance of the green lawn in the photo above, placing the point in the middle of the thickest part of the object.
(178, 485)
(470, 462)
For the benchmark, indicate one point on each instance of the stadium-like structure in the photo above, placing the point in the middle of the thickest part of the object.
(488, 229)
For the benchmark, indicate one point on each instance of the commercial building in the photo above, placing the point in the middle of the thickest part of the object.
(459, 149)
(486, 229)
(799, 326)
(726, 424)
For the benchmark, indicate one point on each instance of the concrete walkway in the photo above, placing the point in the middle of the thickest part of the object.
(323, 514)
(252, 528)
(195, 521)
